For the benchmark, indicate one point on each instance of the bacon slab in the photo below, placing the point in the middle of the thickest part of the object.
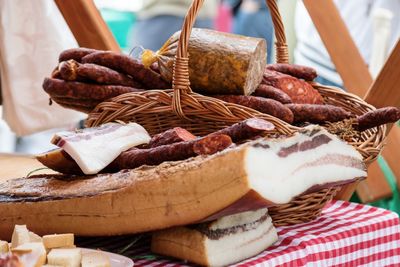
(95, 148)
(220, 243)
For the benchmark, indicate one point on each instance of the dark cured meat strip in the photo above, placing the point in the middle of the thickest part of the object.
(60, 88)
(246, 129)
(170, 136)
(264, 105)
(128, 65)
(75, 53)
(318, 113)
(378, 117)
(131, 159)
(82, 105)
(298, 71)
(269, 91)
(72, 70)
(55, 73)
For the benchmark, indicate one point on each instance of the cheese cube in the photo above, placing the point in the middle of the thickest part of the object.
(20, 236)
(58, 241)
(34, 237)
(33, 253)
(4, 248)
(67, 257)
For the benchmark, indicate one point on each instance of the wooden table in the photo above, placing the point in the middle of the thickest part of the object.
(16, 165)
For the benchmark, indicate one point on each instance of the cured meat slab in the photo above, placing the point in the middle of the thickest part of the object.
(225, 241)
(248, 177)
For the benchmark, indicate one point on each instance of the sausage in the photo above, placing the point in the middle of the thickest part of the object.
(56, 74)
(78, 90)
(82, 105)
(299, 91)
(378, 117)
(75, 54)
(72, 70)
(298, 71)
(67, 71)
(318, 113)
(155, 67)
(207, 145)
(170, 136)
(268, 91)
(128, 65)
(264, 105)
(247, 129)
(219, 63)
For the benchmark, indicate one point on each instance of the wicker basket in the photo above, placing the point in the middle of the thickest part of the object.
(159, 110)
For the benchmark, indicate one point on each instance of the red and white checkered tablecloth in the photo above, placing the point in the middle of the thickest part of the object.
(346, 234)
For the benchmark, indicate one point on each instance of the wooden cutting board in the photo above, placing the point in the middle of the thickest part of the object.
(15, 165)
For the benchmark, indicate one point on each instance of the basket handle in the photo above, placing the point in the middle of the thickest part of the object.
(180, 77)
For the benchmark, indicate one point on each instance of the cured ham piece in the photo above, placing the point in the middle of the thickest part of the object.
(220, 243)
(256, 174)
(94, 148)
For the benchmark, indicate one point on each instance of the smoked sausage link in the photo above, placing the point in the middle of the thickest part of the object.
(72, 70)
(298, 71)
(128, 65)
(75, 54)
(247, 129)
(170, 136)
(269, 91)
(134, 158)
(378, 117)
(264, 105)
(318, 113)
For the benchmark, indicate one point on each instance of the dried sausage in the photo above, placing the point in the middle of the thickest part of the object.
(269, 91)
(219, 63)
(75, 53)
(298, 71)
(128, 65)
(78, 90)
(318, 113)
(247, 129)
(170, 136)
(207, 145)
(72, 70)
(378, 117)
(264, 105)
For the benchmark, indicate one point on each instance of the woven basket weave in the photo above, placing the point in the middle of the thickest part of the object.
(159, 110)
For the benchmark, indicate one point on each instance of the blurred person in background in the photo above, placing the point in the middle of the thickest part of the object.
(252, 18)
(358, 17)
(159, 19)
